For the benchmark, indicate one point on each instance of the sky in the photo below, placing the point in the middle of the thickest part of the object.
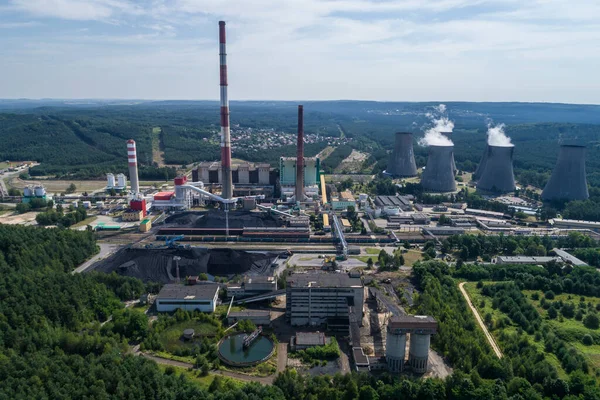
(385, 50)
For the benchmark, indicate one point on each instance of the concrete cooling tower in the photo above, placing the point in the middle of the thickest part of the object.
(402, 161)
(497, 175)
(568, 181)
(439, 174)
(448, 134)
(481, 166)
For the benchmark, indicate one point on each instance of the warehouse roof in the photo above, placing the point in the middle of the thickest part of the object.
(323, 280)
(249, 313)
(526, 259)
(569, 258)
(188, 292)
(310, 339)
(412, 322)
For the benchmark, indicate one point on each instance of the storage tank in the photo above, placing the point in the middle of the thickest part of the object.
(439, 174)
(110, 181)
(568, 180)
(418, 353)
(498, 176)
(27, 192)
(402, 160)
(395, 351)
(121, 181)
(39, 191)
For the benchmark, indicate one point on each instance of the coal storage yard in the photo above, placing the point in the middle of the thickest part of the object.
(159, 265)
(216, 219)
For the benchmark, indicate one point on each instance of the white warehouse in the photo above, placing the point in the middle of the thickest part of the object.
(187, 297)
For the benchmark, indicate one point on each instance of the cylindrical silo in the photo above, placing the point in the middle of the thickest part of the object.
(439, 174)
(568, 180)
(110, 180)
(481, 166)
(395, 350)
(418, 353)
(39, 191)
(498, 176)
(27, 191)
(121, 181)
(402, 161)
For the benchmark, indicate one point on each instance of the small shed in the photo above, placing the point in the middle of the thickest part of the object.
(188, 334)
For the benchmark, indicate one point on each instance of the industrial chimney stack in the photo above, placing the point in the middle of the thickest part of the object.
(568, 181)
(227, 192)
(300, 156)
(133, 170)
(498, 176)
(402, 161)
(439, 175)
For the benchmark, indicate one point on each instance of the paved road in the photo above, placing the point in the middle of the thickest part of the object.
(106, 249)
(281, 356)
(489, 337)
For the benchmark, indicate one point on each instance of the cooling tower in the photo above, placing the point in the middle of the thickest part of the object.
(497, 175)
(568, 180)
(402, 161)
(439, 175)
(481, 166)
(448, 134)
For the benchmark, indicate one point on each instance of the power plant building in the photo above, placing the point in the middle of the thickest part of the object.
(498, 176)
(568, 180)
(402, 161)
(323, 298)
(201, 297)
(287, 176)
(438, 176)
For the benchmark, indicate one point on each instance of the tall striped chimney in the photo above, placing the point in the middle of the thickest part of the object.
(300, 156)
(227, 181)
(133, 170)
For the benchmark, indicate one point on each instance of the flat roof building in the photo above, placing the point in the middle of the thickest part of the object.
(320, 298)
(569, 258)
(575, 224)
(190, 298)
(525, 260)
(258, 317)
(304, 340)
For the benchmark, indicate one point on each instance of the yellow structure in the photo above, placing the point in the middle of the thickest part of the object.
(326, 226)
(145, 225)
(132, 215)
(323, 191)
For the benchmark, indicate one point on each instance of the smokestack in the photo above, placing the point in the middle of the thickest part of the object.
(448, 134)
(498, 174)
(402, 161)
(568, 181)
(481, 167)
(438, 175)
(227, 192)
(300, 157)
(133, 170)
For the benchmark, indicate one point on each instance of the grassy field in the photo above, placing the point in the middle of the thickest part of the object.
(411, 257)
(171, 340)
(373, 250)
(4, 165)
(477, 298)
(203, 381)
(87, 221)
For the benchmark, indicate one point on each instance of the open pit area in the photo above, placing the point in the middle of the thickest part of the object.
(158, 265)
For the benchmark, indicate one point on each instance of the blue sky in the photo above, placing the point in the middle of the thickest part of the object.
(405, 50)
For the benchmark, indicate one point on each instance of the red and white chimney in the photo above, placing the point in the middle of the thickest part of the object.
(227, 180)
(133, 170)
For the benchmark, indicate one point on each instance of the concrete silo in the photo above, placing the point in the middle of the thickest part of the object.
(395, 348)
(439, 173)
(568, 181)
(482, 163)
(498, 176)
(402, 161)
(418, 354)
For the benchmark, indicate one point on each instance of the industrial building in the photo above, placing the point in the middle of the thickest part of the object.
(304, 340)
(568, 180)
(420, 328)
(242, 174)
(392, 205)
(524, 260)
(497, 175)
(438, 176)
(287, 176)
(402, 160)
(575, 224)
(252, 286)
(132, 215)
(323, 298)
(344, 200)
(258, 317)
(35, 192)
(202, 297)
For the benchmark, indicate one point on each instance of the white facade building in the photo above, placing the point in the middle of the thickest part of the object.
(187, 297)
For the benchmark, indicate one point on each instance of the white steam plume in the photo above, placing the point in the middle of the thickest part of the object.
(497, 137)
(441, 123)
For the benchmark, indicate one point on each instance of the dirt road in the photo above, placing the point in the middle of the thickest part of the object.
(281, 356)
(489, 337)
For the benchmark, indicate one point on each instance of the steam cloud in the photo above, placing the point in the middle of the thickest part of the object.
(441, 123)
(497, 137)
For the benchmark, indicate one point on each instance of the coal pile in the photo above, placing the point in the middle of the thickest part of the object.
(158, 265)
(216, 219)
